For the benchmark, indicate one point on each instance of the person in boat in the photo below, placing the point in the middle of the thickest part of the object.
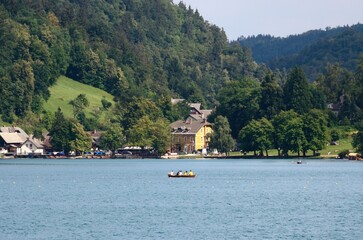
(180, 173)
(172, 173)
(186, 173)
(191, 173)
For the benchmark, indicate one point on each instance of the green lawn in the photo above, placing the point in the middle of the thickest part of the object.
(67, 89)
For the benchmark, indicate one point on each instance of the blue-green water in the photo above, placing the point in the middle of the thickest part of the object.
(134, 199)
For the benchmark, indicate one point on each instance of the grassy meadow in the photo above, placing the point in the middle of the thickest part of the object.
(67, 89)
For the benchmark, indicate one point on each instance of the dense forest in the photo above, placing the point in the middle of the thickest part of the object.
(146, 52)
(126, 47)
(312, 50)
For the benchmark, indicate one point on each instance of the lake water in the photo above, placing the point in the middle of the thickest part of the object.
(134, 199)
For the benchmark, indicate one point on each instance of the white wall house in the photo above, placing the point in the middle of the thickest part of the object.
(15, 141)
(30, 146)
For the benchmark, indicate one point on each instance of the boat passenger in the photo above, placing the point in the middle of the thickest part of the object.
(191, 173)
(180, 173)
(172, 173)
(186, 173)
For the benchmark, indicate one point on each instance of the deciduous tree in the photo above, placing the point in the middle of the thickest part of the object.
(257, 135)
(113, 138)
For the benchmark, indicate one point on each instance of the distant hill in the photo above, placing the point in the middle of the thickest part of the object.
(66, 89)
(312, 50)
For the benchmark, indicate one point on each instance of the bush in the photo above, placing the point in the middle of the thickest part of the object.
(335, 136)
(342, 154)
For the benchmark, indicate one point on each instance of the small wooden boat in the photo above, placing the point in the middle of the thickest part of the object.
(299, 162)
(181, 176)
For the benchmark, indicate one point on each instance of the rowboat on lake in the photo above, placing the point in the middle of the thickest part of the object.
(181, 176)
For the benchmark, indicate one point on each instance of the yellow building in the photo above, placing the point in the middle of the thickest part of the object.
(191, 134)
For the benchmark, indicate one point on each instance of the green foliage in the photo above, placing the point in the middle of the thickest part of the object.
(150, 133)
(106, 104)
(315, 130)
(271, 96)
(297, 96)
(221, 138)
(131, 112)
(180, 111)
(257, 135)
(67, 89)
(127, 48)
(79, 104)
(67, 135)
(334, 135)
(358, 138)
(288, 135)
(113, 138)
(312, 50)
(239, 102)
(80, 141)
(60, 133)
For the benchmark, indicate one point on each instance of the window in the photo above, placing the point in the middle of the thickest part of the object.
(185, 139)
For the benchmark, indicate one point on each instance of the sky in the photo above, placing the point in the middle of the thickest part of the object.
(279, 18)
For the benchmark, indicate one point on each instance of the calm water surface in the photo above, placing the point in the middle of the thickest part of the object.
(134, 199)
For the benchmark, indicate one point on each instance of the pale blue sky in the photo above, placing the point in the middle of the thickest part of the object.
(277, 17)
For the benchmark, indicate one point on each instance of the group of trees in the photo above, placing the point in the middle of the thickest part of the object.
(247, 99)
(287, 131)
(289, 113)
(140, 122)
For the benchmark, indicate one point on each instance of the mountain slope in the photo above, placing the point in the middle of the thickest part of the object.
(67, 89)
(125, 47)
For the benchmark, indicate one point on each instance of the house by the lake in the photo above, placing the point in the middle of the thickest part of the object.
(14, 141)
(192, 134)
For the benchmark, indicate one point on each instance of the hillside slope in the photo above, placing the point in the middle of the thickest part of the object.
(128, 48)
(67, 89)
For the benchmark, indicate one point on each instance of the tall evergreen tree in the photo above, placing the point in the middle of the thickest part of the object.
(297, 96)
(60, 133)
(221, 138)
(271, 96)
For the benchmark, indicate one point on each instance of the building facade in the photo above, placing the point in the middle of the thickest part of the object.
(190, 135)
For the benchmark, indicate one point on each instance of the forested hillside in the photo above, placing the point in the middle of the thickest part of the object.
(144, 53)
(128, 48)
(312, 50)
